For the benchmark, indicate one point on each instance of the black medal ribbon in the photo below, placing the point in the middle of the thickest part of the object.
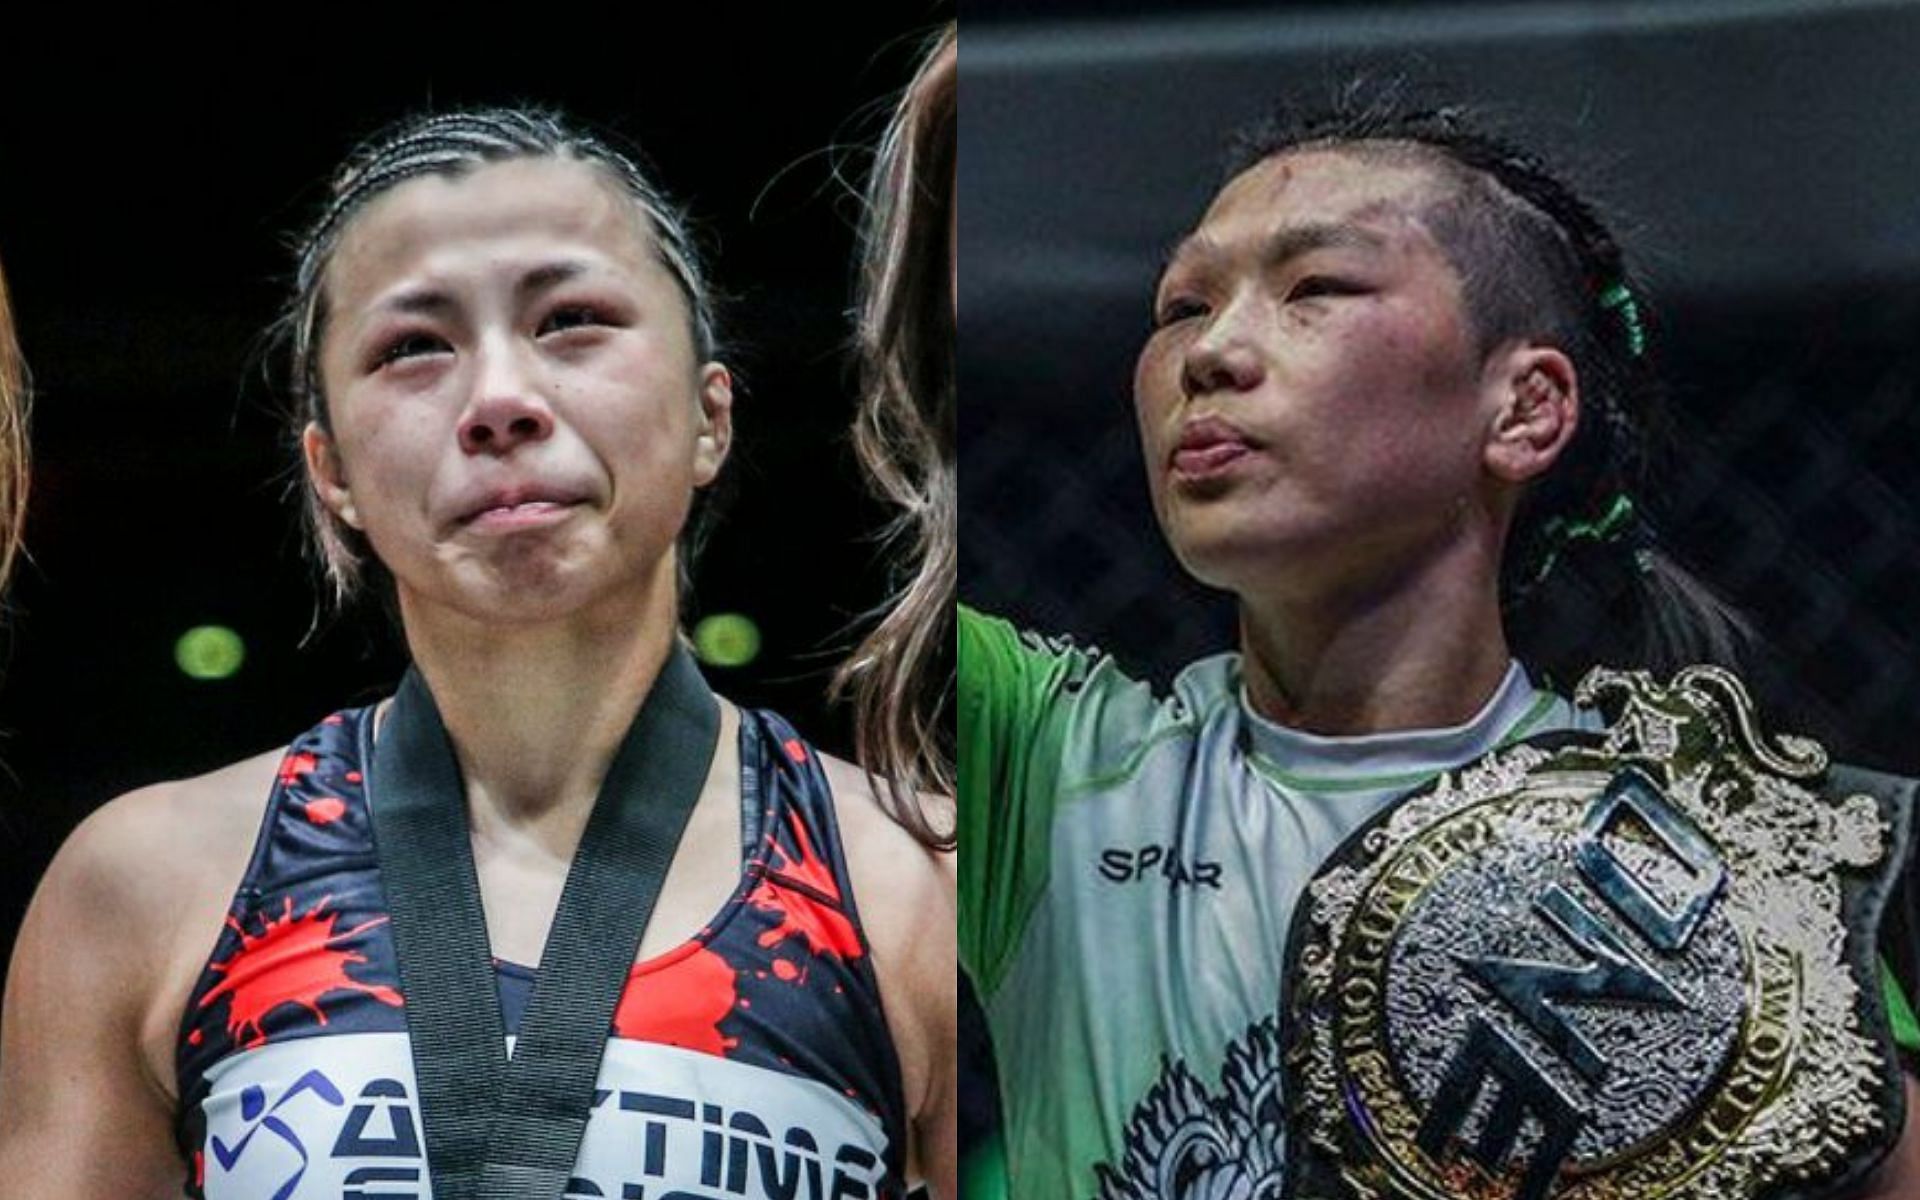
(498, 1128)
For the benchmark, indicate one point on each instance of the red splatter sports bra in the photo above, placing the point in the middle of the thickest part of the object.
(752, 1060)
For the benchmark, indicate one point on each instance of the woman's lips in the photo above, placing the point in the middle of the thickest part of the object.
(527, 514)
(1208, 448)
(1200, 462)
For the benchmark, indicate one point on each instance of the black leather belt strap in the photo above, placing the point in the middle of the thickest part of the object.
(498, 1128)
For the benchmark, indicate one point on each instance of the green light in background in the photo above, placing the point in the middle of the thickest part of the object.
(727, 640)
(209, 652)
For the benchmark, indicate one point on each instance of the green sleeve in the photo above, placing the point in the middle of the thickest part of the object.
(1010, 739)
(1906, 1028)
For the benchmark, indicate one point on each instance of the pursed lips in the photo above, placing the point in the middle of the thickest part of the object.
(1208, 445)
(529, 503)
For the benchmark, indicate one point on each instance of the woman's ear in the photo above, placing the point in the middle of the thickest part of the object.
(715, 435)
(1536, 411)
(325, 475)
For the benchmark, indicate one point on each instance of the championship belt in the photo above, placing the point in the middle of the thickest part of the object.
(1632, 964)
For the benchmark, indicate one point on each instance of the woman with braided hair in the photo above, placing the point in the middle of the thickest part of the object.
(1394, 401)
(722, 967)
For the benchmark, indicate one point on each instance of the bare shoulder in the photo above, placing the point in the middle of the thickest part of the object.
(148, 876)
(180, 809)
(100, 975)
(147, 851)
(905, 891)
(878, 847)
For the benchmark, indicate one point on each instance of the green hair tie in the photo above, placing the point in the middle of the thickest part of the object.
(1620, 297)
(1607, 527)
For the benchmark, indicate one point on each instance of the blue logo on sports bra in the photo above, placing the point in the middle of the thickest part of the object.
(253, 1107)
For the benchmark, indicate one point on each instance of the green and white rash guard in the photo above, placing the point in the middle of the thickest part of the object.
(1129, 872)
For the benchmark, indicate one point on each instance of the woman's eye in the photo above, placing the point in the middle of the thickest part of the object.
(1315, 286)
(411, 345)
(572, 317)
(1178, 309)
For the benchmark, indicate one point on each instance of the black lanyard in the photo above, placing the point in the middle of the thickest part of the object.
(498, 1129)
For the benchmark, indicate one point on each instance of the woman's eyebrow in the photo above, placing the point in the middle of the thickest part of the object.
(1290, 242)
(1282, 245)
(548, 275)
(433, 300)
(423, 299)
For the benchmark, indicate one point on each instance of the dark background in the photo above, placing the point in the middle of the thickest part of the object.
(1760, 160)
(147, 197)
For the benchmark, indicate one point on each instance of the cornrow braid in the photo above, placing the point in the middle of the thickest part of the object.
(1536, 260)
(451, 145)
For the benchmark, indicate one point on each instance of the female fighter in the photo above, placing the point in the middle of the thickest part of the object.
(905, 439)
(1393, 398)
(294, 977)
